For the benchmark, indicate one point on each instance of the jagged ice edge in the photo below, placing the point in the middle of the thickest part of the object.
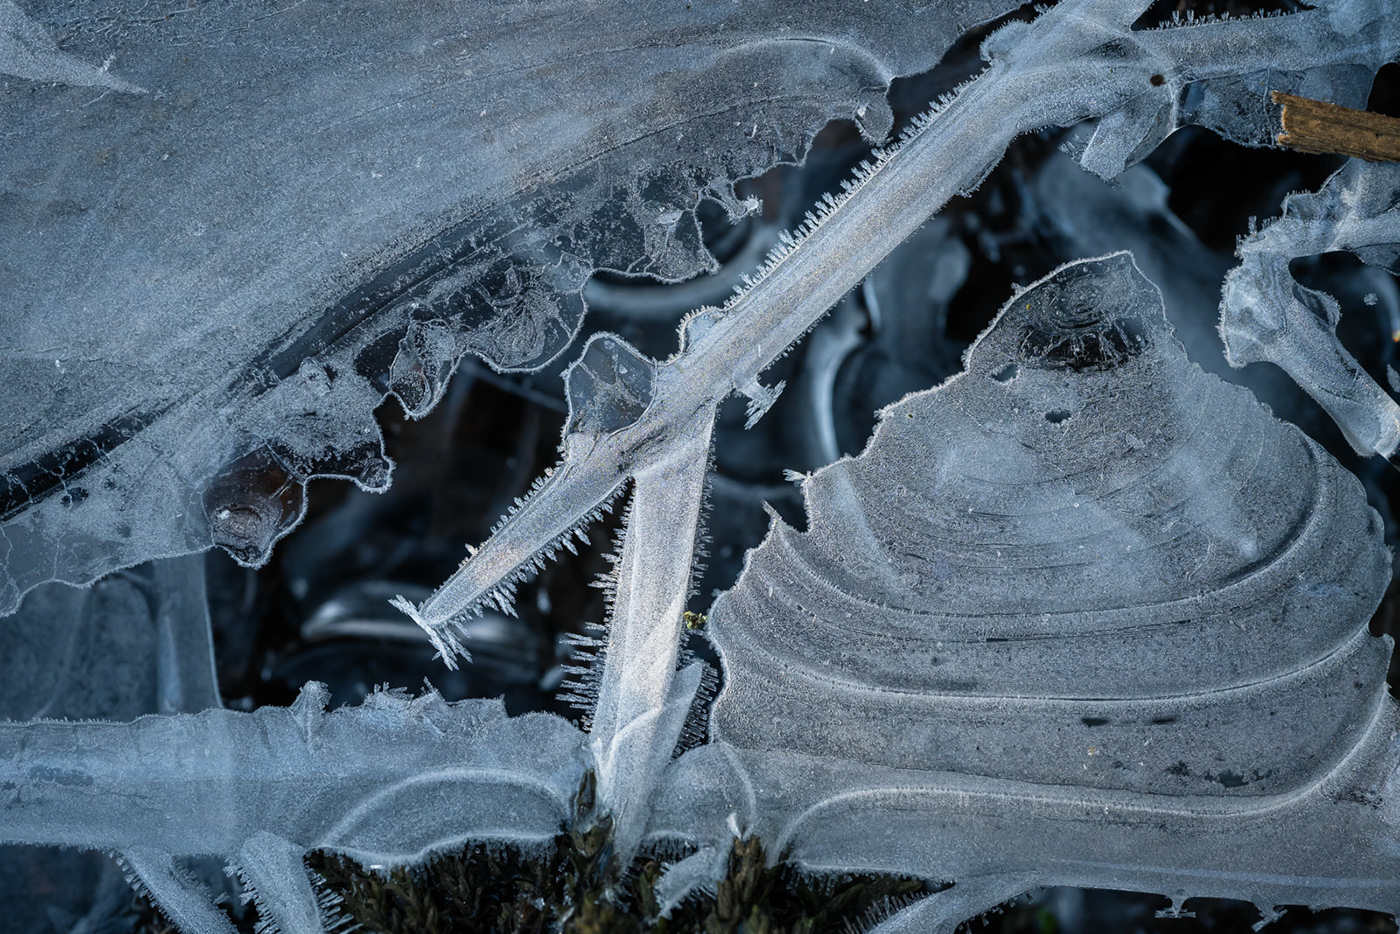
(446, 642)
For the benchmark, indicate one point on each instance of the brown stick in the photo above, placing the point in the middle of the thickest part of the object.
(1316, 126)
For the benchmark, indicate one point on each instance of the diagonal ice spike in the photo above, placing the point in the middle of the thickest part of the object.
(573, 495)
(1079, 60)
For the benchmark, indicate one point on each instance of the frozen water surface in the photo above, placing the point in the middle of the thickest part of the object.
(1265, 315)
(1081, 615)
(230, 230)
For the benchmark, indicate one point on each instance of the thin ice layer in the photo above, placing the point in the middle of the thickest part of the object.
(1081, 562)
(208, 287)
(1331, 52)
(137, 642)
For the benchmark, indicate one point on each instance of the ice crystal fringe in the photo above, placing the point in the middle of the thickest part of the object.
(697, 723)
(266, 924)
(132, 877)
(879, 914)
(790, 241)
(444, 633)
(700, 554)
(588, 652)
(1189, 19)
(589, 649)
(331, 905)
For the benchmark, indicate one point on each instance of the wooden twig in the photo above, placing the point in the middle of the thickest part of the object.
(1317, 126)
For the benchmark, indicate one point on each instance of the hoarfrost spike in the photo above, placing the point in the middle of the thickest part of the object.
(186, 903)
(642, 705)
(761, 399)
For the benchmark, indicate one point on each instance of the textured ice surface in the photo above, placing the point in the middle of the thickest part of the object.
(1267, 316)
(209, 295)
(137, 642)
(1086, 541)
(1082, 615)
(90, 771)
(1075, 61)
(209, 287)
(1203, 712)
(389, 782)
(28, 51)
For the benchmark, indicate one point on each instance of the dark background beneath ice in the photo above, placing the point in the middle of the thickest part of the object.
(318, 610)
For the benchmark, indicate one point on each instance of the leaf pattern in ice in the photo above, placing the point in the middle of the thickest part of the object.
(1084, 614)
